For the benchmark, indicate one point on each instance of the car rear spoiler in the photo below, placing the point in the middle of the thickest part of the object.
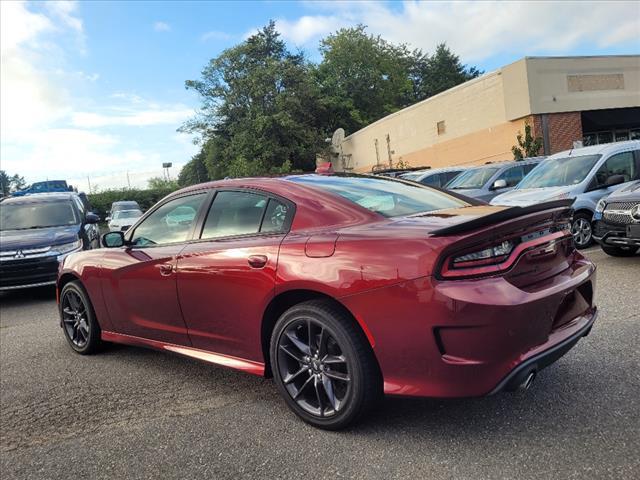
(501, 216)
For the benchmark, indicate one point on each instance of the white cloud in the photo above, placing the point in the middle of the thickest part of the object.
(478, 30)
(161, 27)
(46, 131)
(215, 35)
(175, 115)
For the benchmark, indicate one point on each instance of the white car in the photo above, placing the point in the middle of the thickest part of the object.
(584, 174)
(123, 219)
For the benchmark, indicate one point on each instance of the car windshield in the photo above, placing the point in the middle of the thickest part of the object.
(385, 196)
(475, 178)
(559, 172)
(127, 214)
(20, 216)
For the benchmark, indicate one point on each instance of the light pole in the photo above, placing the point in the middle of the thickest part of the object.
(167, 166)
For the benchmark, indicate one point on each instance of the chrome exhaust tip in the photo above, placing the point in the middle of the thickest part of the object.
(528, 381)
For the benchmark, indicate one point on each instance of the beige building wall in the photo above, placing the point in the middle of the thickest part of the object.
(467, 111)
(574, 84)
(483, 116)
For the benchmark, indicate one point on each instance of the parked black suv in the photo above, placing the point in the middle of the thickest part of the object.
(616, 223)
(39, 230)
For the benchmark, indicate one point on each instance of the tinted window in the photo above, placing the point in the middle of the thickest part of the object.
(512, 176)
(384, 196)
(475, 178)
(275, 217)
(170, 223)
(450, 176)
(234, 213)
(15, 216)
(558, 172)
(431, 180)
(529, 167)
(619, 164)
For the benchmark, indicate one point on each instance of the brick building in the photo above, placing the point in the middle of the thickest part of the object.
(565, 99)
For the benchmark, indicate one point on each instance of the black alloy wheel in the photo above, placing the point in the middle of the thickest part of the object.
(323, 365)
(313, 368)
(78, 319)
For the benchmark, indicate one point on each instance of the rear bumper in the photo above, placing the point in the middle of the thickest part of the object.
(544, 359)
(469, 338)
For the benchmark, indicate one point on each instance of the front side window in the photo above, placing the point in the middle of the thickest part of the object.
(170, 223)
(618, 164)
(243, 213)
(560, 172)
(385, 196)
(28, 215)
(512, 176)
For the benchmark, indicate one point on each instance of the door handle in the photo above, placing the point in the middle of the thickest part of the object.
(257, 261)
(165, 269)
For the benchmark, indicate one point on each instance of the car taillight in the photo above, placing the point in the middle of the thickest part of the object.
(486, 256)
(496, 258)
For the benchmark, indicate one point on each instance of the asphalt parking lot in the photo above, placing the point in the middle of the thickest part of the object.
(135, 413)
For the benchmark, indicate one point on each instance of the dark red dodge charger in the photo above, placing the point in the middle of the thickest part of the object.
(341, 287)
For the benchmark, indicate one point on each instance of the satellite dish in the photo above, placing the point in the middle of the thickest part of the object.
(337, 138)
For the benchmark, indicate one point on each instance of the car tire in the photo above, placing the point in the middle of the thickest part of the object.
(619, 251)
(581, 230)
(323, 365)
(78, 319)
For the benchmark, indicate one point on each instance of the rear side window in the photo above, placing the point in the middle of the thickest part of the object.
(243, 213)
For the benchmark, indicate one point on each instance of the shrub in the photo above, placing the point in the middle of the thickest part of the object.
(101, 202)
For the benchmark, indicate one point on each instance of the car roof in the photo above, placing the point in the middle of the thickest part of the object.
(41, 197)
(508, 163)
(604, 148)
(439, 170)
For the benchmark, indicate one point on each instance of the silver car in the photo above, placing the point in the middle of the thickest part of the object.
(489, 180)
(434, 177)
(586, 174)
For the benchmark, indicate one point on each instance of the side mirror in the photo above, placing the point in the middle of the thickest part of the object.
(108, 219)
(498, 184)
(113, 239)
(91, 218)
(614, 180)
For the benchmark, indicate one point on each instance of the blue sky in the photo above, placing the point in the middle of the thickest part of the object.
(97, 88)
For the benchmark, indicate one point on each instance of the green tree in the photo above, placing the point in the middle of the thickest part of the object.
(527, 146)
(362, 78)
(5, 183)
(439, 72)
(195, 171)
(160, 183)
(259, 108)
(10, 183)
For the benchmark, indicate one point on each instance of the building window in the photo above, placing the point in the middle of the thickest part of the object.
(598, 138)
(441, 127)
